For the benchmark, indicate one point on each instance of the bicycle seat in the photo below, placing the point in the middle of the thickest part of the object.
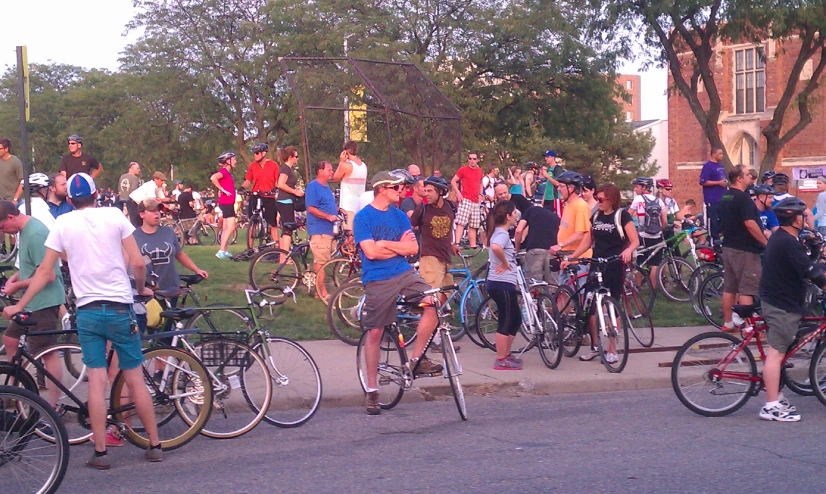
(179, 314)
(745, 311)
(290, 226)
(191, 279)
(175, 292)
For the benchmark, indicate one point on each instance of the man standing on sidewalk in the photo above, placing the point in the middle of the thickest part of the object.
(469, 212)
(713, 180)
(321, 218)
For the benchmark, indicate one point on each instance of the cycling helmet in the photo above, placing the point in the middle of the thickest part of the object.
(438, 183)
(589, 183)
(260, 148)
(531, 165)
(763, 190)
(646, 182)
(664, 183)
(409, 179)
(76, 138)
(570, 178)
(787, 209)
(780, 179)
(225, 156)
(766, 176)
(37, 181)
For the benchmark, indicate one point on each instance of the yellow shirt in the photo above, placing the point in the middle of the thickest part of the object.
(576, 217)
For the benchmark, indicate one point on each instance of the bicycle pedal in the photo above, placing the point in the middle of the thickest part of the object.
(429, 374)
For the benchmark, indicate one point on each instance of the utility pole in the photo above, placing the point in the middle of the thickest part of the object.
(23, 98)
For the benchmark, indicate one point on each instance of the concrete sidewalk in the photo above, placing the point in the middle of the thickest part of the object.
(337, 364)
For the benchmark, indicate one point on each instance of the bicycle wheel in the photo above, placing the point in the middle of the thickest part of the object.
(641, 279)
(710, 299)
(487, 322)
(638, 315)
(673, 275)
(612, 333)
(795, 373)
(817, 373)
(267, 269)
(185, 389)
(550, 338)
(206, 235)
(566, 314)
(471, 300)
(241, 386)
(337, 272)
(29, 463)
(710, 377)
(218, 319)
(695, 282)
(77, 424)
(393, 375)
(8, 249)
(344, 310)
(452, 372)
(296, 382)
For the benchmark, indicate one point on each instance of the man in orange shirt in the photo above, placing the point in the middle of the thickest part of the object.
(263, 174)
(576, 221)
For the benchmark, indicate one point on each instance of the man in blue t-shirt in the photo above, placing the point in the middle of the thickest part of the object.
(713, 181)
(763, 199)
(321, 217)
(386, 239)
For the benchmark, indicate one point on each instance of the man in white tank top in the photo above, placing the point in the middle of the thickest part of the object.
(352, 175)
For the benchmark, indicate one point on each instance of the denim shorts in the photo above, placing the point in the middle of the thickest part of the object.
(97, 326)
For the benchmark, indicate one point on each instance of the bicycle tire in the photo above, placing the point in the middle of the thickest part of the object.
(452, 371)
(233, 238)
(695, 374)
(642, 280)
(566, 314)
(637, 311)
(697, 277)
(392, 371)
(468, 305)
(614, 336)
(487, 322)
(267, 269)
(18, 434)
(189, 376)
(338, 272)
(219, 318)
(296, 382)
(550, 339)
(343, 312)
(241, 384)
(206, 235)
(673, 276)
(710, 299)
(796, 372)
(6, 254)
(817, 373)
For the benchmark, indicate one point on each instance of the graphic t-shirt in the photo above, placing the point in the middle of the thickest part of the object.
(576, 217)
(11, 173)
(161, 248)
(32, 250)
(228, 184)
(471, 180)
(607, 240)
(543, 228)
(84, 163)
(769, 219)
(321, 197)
(435, 226)
(127, 183)
(372, 224)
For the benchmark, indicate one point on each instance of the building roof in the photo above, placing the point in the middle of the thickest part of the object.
(642, 123)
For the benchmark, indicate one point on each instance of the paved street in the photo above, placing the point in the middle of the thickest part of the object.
(629, 441)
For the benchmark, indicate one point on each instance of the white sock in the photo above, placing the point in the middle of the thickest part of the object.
(729, 325)
(370, 390)
(770, 404)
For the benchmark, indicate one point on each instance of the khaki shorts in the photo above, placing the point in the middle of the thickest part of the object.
(537, 267)
(380, 297)
(322, 247)
(47, 320)
(782, 325)
(741, 272)
(434, 272)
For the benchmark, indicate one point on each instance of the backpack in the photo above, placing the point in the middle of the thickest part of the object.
(651, 221)
(617, 222)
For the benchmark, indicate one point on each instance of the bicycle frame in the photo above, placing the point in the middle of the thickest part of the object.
(595, 297)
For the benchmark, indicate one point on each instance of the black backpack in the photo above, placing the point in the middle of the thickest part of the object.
(651, 221)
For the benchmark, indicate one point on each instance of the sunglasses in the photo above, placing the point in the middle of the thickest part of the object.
(600, 199)
(668, 188)
(473, 159)
(395, 187)
(73, 144)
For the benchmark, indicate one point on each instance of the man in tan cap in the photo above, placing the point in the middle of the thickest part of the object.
(150, 190)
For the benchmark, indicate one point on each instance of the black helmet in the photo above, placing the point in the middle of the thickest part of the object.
(763, 190)
(646, 182)
(780, 179)
(260, 148)
(787, 209)
(768, 175)
(531, 165)
(76, 138)
(438, 183)
(409, 179)
(813, 241)
(589, 183)
(570, 178)
(225, 156)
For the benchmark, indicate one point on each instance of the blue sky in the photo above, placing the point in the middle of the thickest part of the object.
(90, 33)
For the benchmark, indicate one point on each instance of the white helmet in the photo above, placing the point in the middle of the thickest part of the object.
(37, 181)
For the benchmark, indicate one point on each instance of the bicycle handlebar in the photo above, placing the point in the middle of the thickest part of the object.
(596, 260)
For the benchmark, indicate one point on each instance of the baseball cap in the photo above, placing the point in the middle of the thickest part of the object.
(148, 205)
(549, 152)
(384, 178)
(81, 185)
(176, 182)
(159, 175)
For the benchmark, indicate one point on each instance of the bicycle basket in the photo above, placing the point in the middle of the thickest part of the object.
(221, 350)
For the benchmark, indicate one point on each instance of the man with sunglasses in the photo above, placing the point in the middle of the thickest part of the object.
(77, 161)
(469, 213)
(386, 239)
(263, 175)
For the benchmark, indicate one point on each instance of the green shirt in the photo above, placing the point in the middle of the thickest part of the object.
(32, 250)
(551, 191)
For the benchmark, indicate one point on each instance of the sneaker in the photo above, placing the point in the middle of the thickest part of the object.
(785, 402)
(112, 439)
(371, 402)
(506, 364)
(99, 462)
(426, 366)
(611, 358)
(589, 356)
(779, 413)
(514, 359)
(153, 454)
(222, 254)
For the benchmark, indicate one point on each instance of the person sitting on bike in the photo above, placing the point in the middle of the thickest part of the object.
(386, 238)
(263, 175)
(651, 214)
(786, 267)
(763, 198)
(612, 233)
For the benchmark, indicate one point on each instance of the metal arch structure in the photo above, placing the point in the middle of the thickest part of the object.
(417, 120)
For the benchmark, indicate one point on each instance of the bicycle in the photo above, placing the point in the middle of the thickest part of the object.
(182, 389)
(714, 374)
(194, 229)
(396, 375)
(572, 316)
(28, 463)
(538, 324)
(673, 272)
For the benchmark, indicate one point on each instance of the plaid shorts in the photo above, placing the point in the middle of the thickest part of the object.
(469, 213)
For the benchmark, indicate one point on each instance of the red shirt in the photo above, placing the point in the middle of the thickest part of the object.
(471, 180)
(264, 176)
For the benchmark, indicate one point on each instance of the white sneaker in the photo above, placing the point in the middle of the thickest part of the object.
(589, 356)
(611, 358)
(785, 402)
(779, 413)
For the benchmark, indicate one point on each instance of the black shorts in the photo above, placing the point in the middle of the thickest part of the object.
(658, 257)
(286, 213)
(227, 210)
(268, 209)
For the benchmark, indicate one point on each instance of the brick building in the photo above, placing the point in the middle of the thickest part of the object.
(631, 109)
(750, 87)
